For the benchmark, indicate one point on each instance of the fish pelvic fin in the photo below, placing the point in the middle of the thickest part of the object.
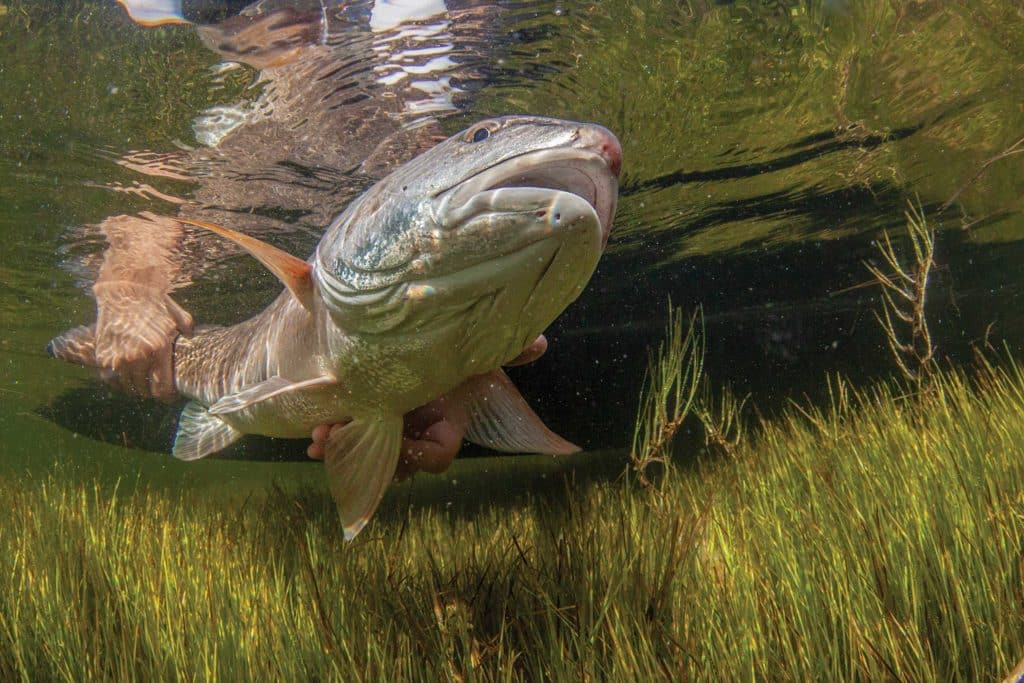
(296, 274)
(498, 417)
(270, 388)
(360, 458)
(200, 433)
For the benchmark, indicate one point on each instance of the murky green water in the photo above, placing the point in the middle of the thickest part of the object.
(766, 146)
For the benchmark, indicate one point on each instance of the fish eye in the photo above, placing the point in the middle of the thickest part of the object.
(481, 131)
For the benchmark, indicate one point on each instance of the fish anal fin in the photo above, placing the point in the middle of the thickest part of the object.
(360, 458)
(296, 274)
(200, 433)
(498, 417)
(274, 386)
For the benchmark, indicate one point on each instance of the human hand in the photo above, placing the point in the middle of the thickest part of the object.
(136, 326)
(430, 440)
(433, 432)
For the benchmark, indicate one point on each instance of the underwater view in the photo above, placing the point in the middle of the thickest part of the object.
(467, 340)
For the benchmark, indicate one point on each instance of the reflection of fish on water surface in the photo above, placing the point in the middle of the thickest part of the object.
(343, 98)
(155, 12)
(339, 104)
(387, 13)
(423, 287)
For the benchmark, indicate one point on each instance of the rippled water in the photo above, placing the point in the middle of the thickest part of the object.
(766, 146)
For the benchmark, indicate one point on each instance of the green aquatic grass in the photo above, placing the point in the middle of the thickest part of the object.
(879, 538)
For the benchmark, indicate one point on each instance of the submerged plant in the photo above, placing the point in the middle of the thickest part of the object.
(670, 388)
(836, 545)
(721, 419)
(904, 290)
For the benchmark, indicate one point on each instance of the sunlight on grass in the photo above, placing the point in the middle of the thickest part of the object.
(670, 389)
(878, 538)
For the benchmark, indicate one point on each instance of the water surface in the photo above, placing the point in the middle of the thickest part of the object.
(767, 147)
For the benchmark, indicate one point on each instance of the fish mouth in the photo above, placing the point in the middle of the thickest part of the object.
(536, 179)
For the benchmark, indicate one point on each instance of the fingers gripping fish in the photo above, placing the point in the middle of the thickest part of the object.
(424, 286)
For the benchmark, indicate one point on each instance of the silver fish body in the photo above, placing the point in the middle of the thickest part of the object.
(425, 285)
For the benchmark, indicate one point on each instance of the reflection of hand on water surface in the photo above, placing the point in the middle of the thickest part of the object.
(135, 331)
(132, 340)
(136, 319)
(335, 101)
(273, 163)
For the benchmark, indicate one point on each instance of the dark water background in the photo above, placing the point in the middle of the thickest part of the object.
(766, 145)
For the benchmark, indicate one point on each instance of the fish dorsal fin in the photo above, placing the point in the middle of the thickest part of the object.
(296, 274)
(360, 458)
(274, 386)
(499, 417)
(200, 433)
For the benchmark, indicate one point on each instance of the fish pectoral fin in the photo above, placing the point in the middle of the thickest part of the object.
(361, 457)
(77, 345)
(274, 386)
(500, 418)
(200, 433)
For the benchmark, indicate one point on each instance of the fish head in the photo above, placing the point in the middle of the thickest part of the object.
(480, 242)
